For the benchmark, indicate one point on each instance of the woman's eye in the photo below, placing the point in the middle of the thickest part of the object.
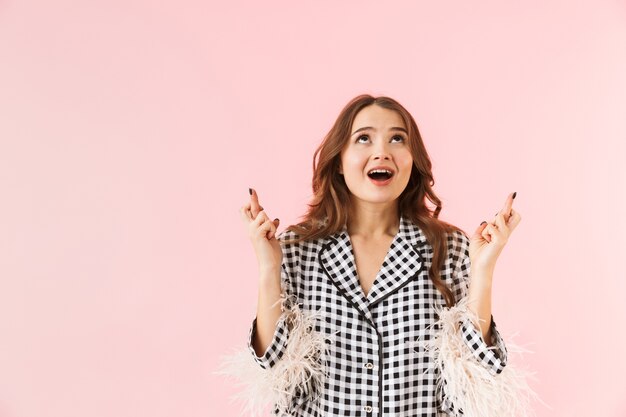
(395, 137)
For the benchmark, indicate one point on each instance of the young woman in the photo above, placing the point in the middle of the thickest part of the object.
(351, 299)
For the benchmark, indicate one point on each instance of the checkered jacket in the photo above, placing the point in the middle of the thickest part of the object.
(372, 368)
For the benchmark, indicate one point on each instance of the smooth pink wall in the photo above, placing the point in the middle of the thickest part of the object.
(130, 133)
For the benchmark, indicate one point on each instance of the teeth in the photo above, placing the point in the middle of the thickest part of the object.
(380, 170)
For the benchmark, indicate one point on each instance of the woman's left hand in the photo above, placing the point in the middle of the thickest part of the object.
(490, 237)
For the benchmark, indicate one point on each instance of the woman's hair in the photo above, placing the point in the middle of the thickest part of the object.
(328, 209)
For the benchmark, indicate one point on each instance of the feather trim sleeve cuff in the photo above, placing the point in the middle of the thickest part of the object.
(290, 372)
(474, 379)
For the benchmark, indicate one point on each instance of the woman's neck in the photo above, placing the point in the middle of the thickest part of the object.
(373, 223)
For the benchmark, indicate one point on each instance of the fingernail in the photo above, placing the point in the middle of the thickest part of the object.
(276, 220)
(483, 223)
(514, 194)
(250, 191)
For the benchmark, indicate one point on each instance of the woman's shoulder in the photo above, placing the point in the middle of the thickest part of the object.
(291, 239)
(288, 237)
(458, 243)
(458, 240)
(458, 235)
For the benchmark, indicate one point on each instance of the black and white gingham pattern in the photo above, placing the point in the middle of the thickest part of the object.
(372, 369)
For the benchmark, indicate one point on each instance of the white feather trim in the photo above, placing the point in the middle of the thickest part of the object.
(470, 388)
(297, 376)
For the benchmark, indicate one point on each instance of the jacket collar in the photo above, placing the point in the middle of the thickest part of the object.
(402, 263)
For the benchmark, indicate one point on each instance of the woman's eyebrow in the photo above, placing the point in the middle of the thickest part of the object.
(401, 129)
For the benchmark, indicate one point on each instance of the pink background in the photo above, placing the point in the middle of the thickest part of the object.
(130, 132)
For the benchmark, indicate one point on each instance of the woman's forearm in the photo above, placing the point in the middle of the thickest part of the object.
(266, 315)
(480, 299)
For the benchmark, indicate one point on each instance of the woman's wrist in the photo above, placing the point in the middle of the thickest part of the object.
(269, 274)
(482, 276)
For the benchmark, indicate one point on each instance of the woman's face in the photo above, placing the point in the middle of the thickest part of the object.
(378, 139)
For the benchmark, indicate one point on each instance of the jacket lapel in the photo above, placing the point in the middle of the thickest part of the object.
(402, 263)
(337, 260)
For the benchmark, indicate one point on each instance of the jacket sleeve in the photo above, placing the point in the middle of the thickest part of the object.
(474, 378)
(494, 357)
(280, 338)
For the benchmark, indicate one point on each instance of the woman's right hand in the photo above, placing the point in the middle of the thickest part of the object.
(262, 234)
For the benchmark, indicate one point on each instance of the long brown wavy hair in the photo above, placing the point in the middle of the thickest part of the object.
(328, 213)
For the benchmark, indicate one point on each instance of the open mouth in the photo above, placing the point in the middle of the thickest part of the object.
(380, 174)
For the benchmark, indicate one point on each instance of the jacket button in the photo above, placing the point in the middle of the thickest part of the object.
(369, 365)
(367, 408)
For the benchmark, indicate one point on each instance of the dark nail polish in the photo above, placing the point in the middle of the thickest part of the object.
(276, 219)
(483, 223)
(514, 194)
(250, 191)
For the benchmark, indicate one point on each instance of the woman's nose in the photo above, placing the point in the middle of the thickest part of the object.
(381, 151)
